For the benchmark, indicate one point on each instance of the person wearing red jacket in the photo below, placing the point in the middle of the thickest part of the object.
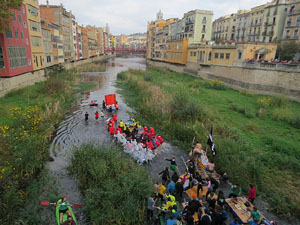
(160, 139)
(149, 135)
(252, 193)
(112, 130)
(96, 115)
(114, 117)
(150, 145)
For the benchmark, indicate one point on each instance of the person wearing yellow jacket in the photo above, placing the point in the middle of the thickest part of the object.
(122, 125)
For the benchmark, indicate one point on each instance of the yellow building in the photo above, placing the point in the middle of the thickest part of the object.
(229, 54)
(35, 33)
(257, 51)
(153, 28)
(176, 52)
(255, 24)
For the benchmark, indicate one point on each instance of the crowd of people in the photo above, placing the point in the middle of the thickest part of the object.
(206, 204)
(137, 139)
(274, 61)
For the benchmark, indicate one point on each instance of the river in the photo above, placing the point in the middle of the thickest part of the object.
(75, 131)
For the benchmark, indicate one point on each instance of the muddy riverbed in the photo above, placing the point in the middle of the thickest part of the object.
(75, 131)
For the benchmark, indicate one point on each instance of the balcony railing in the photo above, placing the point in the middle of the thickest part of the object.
(294, 12)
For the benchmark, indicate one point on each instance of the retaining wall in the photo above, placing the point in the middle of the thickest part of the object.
(27, 79)
(257, 80)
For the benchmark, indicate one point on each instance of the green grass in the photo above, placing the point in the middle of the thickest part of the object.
(115, 189)
(28, 118)
(256, 136)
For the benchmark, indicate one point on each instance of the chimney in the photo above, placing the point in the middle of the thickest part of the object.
(47, 3)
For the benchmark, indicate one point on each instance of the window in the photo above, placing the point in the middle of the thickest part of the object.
(36, 41)
(32, 10)
(34, 26)
(195, 53)
(296, 33)
(25, 25)
(23, 10)
(41, 60)
(1, 58)
(16, 34)
(14, 16)
(221, 55)
(227, 55)
(20, 18)
(8, 34)
(191, 54)
(203, 37)
(209, 56)
(203, 28)
(288, 33)
(17, 56)
(27, 42)
(298, 20)
(216, 55)
(22, 35)
(240, 55)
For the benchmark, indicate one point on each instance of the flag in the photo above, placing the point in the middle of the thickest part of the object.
(211, 143)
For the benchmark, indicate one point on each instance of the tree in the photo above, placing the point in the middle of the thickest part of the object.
(287, 50)
(5, 14)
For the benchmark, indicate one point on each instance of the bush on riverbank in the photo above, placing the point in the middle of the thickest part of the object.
(91, 67)
(27, 122)
(115, 188)
(255, 138)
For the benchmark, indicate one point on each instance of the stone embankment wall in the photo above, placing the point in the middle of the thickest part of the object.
(257, 80)
(27, 79)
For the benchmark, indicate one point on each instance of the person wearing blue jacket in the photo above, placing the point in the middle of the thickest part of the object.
(171, 188)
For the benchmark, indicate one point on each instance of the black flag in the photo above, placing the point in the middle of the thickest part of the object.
(211, 143)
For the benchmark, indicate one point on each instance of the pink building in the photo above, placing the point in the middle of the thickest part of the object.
(15, 50)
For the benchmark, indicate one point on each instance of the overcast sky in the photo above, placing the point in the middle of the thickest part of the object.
(131, 16)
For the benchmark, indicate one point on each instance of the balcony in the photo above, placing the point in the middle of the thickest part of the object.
(296, 12)
(289, 24)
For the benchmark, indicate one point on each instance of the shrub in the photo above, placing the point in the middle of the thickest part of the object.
(264, 102)
(217, 84)
(295, 122)
(121, 75)
(282, 114)
(115, 188)
(278, 101)
(147, 77)
(91, 67)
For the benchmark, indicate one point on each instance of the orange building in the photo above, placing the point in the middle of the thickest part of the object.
(85, 43)
(176, 52)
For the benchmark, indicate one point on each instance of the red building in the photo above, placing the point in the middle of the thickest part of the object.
(15, 50)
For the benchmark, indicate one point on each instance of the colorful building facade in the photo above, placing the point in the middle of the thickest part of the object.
(35, 34)
(292, 23)
(15, 49)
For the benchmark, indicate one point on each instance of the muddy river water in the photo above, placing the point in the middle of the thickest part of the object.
(75, 131)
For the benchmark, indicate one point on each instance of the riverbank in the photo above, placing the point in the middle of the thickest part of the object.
(258, 133)
(28, 119)
(115, 188)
